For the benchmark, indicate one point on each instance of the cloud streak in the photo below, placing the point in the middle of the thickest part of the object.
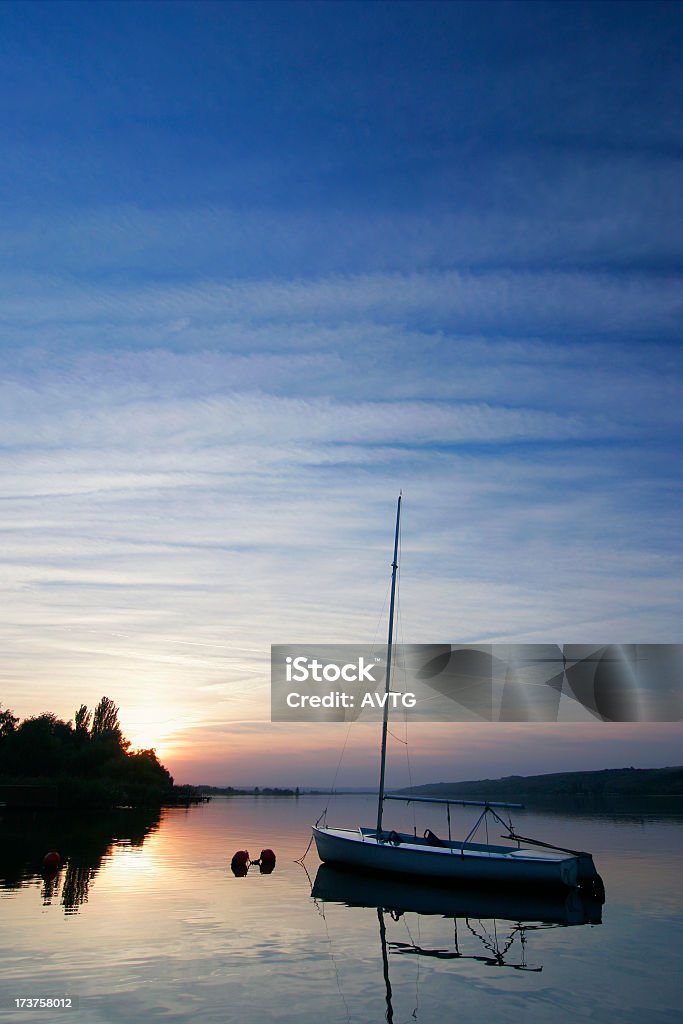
(228, 340)
(524, 301)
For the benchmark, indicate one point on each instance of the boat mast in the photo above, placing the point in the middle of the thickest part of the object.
(383, 757)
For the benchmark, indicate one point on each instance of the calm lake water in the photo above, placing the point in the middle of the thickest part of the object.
(146, 922)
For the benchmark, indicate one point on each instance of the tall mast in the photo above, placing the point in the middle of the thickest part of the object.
(383, 757)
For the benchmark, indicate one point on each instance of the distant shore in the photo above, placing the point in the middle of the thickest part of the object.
(614, 785)
(210, 791)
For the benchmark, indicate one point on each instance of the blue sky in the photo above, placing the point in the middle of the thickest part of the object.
(262, 265)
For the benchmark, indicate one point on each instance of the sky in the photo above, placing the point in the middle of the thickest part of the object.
(262, 265)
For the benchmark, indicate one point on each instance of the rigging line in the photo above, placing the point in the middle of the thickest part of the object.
(380, 620)
(323, 815)
(417, 973)
(405, 710)
(339, 762)
(522, 939)
(302, 858)
(348, 730)
(509, 944)
(341, 757)
(310, 880)
(319, 906)
(399, 632)
(485, 939)
(336, 970)
(397, 738)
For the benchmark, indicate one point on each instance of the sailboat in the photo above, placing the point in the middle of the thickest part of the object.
(388, 852)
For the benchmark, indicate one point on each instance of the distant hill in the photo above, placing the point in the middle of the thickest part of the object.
(610, 783)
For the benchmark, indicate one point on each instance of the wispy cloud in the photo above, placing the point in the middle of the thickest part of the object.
(567, 209)
(523, 301)
(225, 350)
(165, 509)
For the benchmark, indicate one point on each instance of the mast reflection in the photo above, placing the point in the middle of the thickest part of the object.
(499, 919)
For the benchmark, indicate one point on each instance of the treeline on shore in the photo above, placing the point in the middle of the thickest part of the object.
(87, 762)
(210, 791)
(254, 791)
(608, 784)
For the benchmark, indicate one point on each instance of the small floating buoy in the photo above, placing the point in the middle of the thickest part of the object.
(51, 859)
(240, 863)
(266, 862)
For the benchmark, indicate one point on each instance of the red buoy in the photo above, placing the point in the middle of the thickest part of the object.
(240, 863)
(52, 859)
(266, 861)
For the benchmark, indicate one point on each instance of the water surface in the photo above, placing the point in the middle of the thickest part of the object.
(145, 921)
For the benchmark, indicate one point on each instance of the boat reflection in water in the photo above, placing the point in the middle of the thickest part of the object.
(475, 912)
(397, 896)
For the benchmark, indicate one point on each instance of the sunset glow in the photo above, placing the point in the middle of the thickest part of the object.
(274, 264)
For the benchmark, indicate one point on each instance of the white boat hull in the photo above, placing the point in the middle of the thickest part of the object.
(466, 862)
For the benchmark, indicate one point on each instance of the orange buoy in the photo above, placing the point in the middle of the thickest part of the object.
(52, 859)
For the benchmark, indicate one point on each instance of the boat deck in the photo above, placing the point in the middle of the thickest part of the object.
(369, 835)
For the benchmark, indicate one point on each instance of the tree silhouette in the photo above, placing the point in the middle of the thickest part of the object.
(41, 745)
(105, 721)
(84, 764)
(82, 720)
(8, 722)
